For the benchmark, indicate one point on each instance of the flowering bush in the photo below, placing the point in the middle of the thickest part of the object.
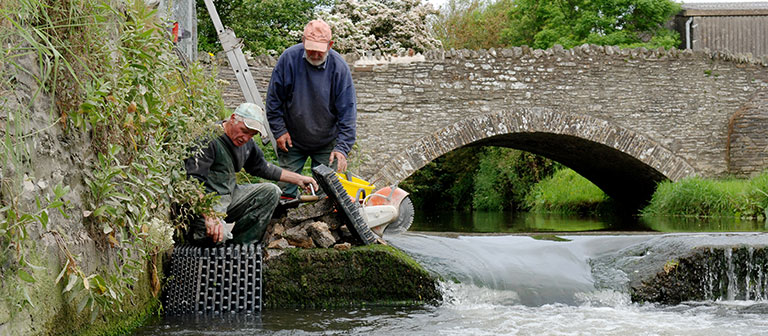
(390, 26)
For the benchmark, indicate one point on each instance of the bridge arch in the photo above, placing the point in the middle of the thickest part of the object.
(625, 164)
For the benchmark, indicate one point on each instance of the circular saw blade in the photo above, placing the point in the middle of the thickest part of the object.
(404, 218)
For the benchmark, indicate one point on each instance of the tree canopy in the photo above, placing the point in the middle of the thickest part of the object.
(626, 23)
(263, 24)
(543, 23)
(390, 26)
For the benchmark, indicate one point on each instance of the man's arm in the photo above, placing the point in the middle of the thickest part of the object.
(300, 180)
(346, 106)
(197, 166)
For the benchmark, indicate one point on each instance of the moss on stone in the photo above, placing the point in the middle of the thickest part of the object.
(703, 275)
(369, 275)
(136, 310)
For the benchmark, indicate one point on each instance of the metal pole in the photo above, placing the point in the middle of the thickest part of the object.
(233, 48)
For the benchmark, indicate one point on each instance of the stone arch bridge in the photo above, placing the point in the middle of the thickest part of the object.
(623, 118)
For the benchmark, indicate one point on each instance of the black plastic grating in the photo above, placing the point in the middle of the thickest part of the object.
(330, 183)
(216, 280)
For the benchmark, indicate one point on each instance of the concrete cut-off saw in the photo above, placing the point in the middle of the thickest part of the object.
(367, 213)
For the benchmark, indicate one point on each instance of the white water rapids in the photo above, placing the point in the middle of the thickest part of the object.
(506, 285)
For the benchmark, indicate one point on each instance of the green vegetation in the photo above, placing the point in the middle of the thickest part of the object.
(566, 192)
(497, 179)
(505, 176)
(697, 197)
(544, 23)
(125, 101)
(263, 24)
(478, 178)
(472, 24)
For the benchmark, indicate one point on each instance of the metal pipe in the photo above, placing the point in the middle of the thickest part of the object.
(688, 33)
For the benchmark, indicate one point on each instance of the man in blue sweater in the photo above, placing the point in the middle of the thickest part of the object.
(311, 104)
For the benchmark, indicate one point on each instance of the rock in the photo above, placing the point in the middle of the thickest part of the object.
(321, 235)
(272, 253)
(299, 237)
(332, 219)
(357, 277)
(345, 234)
(274, 232)
(281, 243)
(343, 246)
(278, 228)
(336, 235)
(310, 211)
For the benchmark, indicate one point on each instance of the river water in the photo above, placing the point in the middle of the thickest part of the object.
(504, 283)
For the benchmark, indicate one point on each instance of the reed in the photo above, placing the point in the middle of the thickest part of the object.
(699, 197)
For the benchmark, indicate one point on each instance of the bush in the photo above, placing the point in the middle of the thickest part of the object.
(566, 192)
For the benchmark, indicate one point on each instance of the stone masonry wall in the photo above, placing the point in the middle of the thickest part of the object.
(680, 101)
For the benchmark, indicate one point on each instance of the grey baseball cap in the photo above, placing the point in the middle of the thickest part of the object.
(253, 117)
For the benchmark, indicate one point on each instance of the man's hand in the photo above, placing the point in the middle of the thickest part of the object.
(284, 141)
(214, 228)
(341, 161)
(305, 182)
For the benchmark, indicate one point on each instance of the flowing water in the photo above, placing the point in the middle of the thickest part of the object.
(505, 284)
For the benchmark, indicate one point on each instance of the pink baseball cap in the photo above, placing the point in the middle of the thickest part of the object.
(317, 35)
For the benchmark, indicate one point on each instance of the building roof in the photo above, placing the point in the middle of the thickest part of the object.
(724, 9)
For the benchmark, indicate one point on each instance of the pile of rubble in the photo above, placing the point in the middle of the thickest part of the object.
(311, 225)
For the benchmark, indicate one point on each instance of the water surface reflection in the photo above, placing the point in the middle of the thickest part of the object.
(515, 222)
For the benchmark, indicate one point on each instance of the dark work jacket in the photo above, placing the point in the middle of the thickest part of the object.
(219, 160)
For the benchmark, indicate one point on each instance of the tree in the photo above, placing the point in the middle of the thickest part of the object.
(476, 24)
(471, 24)
(626, 23)
(391, 26)
(263, 24)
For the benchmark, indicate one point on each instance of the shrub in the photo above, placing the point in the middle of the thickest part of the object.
(566, 192)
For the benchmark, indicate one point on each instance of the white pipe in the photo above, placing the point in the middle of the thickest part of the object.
(688, 33)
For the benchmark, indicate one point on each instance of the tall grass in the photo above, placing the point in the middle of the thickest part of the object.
(113, 79)
(566, 192)
(698, 197)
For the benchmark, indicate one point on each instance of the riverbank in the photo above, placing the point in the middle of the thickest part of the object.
(699, 197)
(566, 192)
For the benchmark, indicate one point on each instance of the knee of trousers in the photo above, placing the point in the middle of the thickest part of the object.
(274, 194)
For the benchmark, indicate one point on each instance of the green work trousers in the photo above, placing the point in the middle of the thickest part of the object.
(294, 160)
(250, 207)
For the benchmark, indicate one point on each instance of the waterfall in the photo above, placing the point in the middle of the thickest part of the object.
(734, 273)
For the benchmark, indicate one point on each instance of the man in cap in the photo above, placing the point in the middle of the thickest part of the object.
(311, 104)
(248, 206)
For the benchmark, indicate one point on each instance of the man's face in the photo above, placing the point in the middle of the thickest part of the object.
(315, 57)
(238, 132)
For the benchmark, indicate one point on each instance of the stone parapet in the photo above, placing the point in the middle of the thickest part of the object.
(679, 102)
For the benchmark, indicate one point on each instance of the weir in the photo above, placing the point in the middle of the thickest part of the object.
(644, 268)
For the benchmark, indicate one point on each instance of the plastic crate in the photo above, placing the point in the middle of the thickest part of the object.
(216, 280)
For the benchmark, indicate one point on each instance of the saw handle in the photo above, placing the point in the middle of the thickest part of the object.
(309, 198)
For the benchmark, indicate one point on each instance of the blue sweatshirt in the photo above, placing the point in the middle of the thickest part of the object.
(316, 105)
